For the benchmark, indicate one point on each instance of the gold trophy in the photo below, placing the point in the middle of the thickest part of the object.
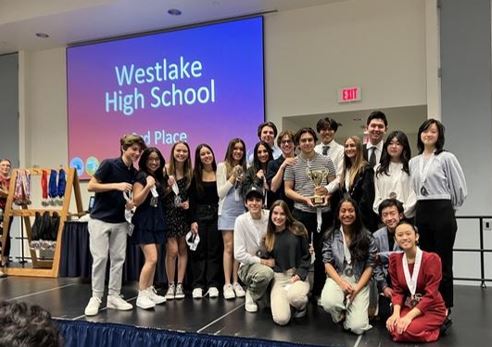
(317, 177)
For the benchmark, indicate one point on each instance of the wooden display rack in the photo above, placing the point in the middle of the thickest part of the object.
(41, 268)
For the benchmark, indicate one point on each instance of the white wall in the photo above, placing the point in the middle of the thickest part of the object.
(378, 45)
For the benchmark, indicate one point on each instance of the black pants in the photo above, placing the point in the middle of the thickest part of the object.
(206, 260)
(437, 227)
(309, 221)
(6, 247)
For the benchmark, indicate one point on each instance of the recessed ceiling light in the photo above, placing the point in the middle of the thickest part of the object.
(174, 12)
(42, 35)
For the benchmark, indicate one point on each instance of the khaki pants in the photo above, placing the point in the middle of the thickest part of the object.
(333, 302)
(257, 278)
(286, 294)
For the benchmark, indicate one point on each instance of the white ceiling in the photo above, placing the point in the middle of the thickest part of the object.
(68, 21)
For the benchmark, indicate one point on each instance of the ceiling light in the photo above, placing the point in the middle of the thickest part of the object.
(42, 35)
(174, 12)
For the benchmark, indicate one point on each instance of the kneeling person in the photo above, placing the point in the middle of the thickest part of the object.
(249, 230)
(287, 243)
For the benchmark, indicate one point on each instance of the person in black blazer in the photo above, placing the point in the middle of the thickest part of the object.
(358, 181)
(377, 125)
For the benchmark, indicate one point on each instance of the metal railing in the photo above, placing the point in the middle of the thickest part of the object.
(480, 250)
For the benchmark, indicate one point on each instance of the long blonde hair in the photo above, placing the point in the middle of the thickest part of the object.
(357, 166)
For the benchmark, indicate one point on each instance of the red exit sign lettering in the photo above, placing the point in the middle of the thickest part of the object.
(349, 94)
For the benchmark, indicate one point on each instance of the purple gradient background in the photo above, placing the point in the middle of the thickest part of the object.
(231, 53)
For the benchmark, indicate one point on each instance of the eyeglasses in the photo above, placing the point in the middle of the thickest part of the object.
(286, 142)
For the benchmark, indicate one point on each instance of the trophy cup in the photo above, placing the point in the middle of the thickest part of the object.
(317, 177)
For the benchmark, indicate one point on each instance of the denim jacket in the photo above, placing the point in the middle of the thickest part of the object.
(381, 270)
(333, 253)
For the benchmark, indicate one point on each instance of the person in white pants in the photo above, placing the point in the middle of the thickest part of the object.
(349, 254)
(287, 243)
(108, 227)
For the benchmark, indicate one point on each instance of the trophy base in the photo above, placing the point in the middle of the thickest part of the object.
(318, 200)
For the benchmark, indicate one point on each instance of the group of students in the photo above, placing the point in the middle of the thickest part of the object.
(292, 227)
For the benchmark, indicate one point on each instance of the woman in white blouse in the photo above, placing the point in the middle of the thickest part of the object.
(392, 178)
(440, 185)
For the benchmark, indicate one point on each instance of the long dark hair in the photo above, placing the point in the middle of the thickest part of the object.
(159, 174)
(256, 162)
(406, 153)
(229, 161)
(359, 246)
(440, 138)
(198, 170)
(291, 224)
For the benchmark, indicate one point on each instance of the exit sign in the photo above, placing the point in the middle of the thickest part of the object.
(349, 94)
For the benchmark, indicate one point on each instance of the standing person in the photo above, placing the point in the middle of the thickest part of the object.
(377, 125)
(301, 189)
(392, 179)
(440, 185)
(176, 206)
(418, 307)
(230, 174)
(204, 200)
(108, 227)
(5, 168)
(149, 222)
(327, 128)
(287, 243)
(358, 181)
(276, 167)
(391, 213)
(256, 173)
(349, 255)
(250, 228)
(267, 132)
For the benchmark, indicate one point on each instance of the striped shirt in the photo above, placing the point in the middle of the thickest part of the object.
(302, 184)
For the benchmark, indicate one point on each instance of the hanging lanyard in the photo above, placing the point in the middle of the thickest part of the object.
(346, 251)
(412, 280)
(425, 167)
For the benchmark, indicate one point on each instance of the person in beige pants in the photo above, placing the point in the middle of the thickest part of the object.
(286, 242)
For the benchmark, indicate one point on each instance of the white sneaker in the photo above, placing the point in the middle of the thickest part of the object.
(213, 292)
(143, 299)
(228, 292)
(300, 313)
(179, 294)
(170, 291)
(197, 293)
(92, 307)
(249, 304)
(156, 299)
(116, 302)
(238, 290)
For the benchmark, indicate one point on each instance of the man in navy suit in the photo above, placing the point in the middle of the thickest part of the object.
(377, 124)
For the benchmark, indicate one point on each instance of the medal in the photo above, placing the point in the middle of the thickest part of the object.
(424, 191)
(392, 195)
(349, 271)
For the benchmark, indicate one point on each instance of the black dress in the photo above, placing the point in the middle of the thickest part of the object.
(177, 219)
(149, 221)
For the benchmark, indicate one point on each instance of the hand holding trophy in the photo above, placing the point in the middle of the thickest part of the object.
(317, 177)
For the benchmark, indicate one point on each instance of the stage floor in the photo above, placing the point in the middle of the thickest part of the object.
(66, 298)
